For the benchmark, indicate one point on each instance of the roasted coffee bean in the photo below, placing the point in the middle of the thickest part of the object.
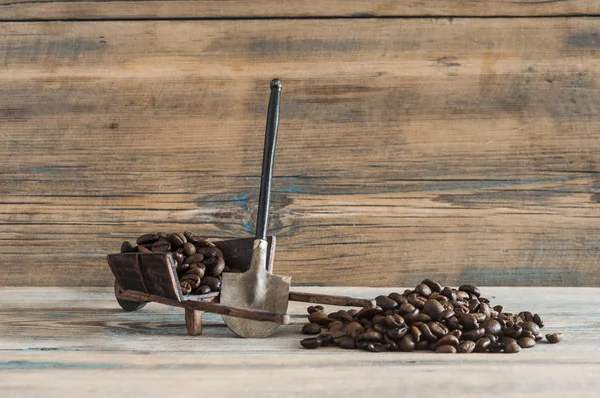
(386, 303)
(538, 321)
(531, 326)
(326, 339)
(196, 258)
(189, 249)
(433, 285)
(513, 331)
(212, 282)
(498, 308)
(474, 290)
(506, 340)
(493, 338)
(397, 297)
(368, 313)
(370, 335)
(446, 349)
(127, 247)
(190, 237)
(415, 332)
(424, 318)
(311, 328)
(397, 333)
(394, 321)
(465, 347)
(216, 268)
(482, 345)
(161, 246)
(467, 321)
(195, 271)
(203, 289)
(407, 343)
(479, 317)
(554, 338)
(178, 257)
(380, 328)
(423, 290)
(496, 347)
(491, 326)
(185, 288)
(354, 329)
(312, 342)
(143, 249)
(182, 268)
(320, 318)
(474, 305)
(192, 279)
(446, 315)
(175, 240)
(526, 316)
(526, 342)
(456, 333)
(453, 324)
(427, 333)
(474, 334)
(433, 308)
(311, 309)
(335, 326)
(512, 348)
(347, 343)
(449, 293)
(405, 308)
(147, 238)
(527, 333)
(438, 329)
(448, 339)
(161, 234)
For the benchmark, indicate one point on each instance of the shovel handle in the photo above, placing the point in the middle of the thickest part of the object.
(262, 217)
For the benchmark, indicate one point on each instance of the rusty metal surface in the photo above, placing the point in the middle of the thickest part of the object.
(238, 252)
(255, 289)
(152, 273)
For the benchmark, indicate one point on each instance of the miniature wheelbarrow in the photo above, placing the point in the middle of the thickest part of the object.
(151, 277)
(145, 277)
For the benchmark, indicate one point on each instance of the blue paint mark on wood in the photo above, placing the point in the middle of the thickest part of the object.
(26, 365)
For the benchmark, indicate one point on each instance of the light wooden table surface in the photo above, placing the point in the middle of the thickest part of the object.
(58, 342)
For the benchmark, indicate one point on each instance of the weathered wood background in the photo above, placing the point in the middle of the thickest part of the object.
(463, 147)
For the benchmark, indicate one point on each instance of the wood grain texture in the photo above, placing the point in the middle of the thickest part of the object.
(463, 150)
(64, 340)
(136, 9)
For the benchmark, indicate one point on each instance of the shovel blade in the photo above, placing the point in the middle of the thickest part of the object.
(240, 290)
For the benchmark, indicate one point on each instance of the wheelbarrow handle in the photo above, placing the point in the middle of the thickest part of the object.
(264, 198)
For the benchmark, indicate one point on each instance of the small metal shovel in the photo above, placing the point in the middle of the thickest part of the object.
(257, 288)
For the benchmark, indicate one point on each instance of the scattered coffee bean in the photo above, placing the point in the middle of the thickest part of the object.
(386, 303)
(465, 347)
(446, 349)
(473, 290)
(554, 338)
(312, 342)
(311, 328)
(526, 342)
(512, 348)
(430, 317)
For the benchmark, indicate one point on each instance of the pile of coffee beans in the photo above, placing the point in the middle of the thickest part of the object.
(429, 317)
(199, 263)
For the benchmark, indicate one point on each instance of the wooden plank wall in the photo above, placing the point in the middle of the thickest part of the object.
(463, 147)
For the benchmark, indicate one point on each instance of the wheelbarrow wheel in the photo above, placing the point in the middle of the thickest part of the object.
(128, 305)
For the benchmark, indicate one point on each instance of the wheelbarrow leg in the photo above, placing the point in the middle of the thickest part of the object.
(193, 322)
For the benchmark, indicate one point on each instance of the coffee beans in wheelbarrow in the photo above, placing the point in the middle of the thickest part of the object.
(199, 262)
(428, 318)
